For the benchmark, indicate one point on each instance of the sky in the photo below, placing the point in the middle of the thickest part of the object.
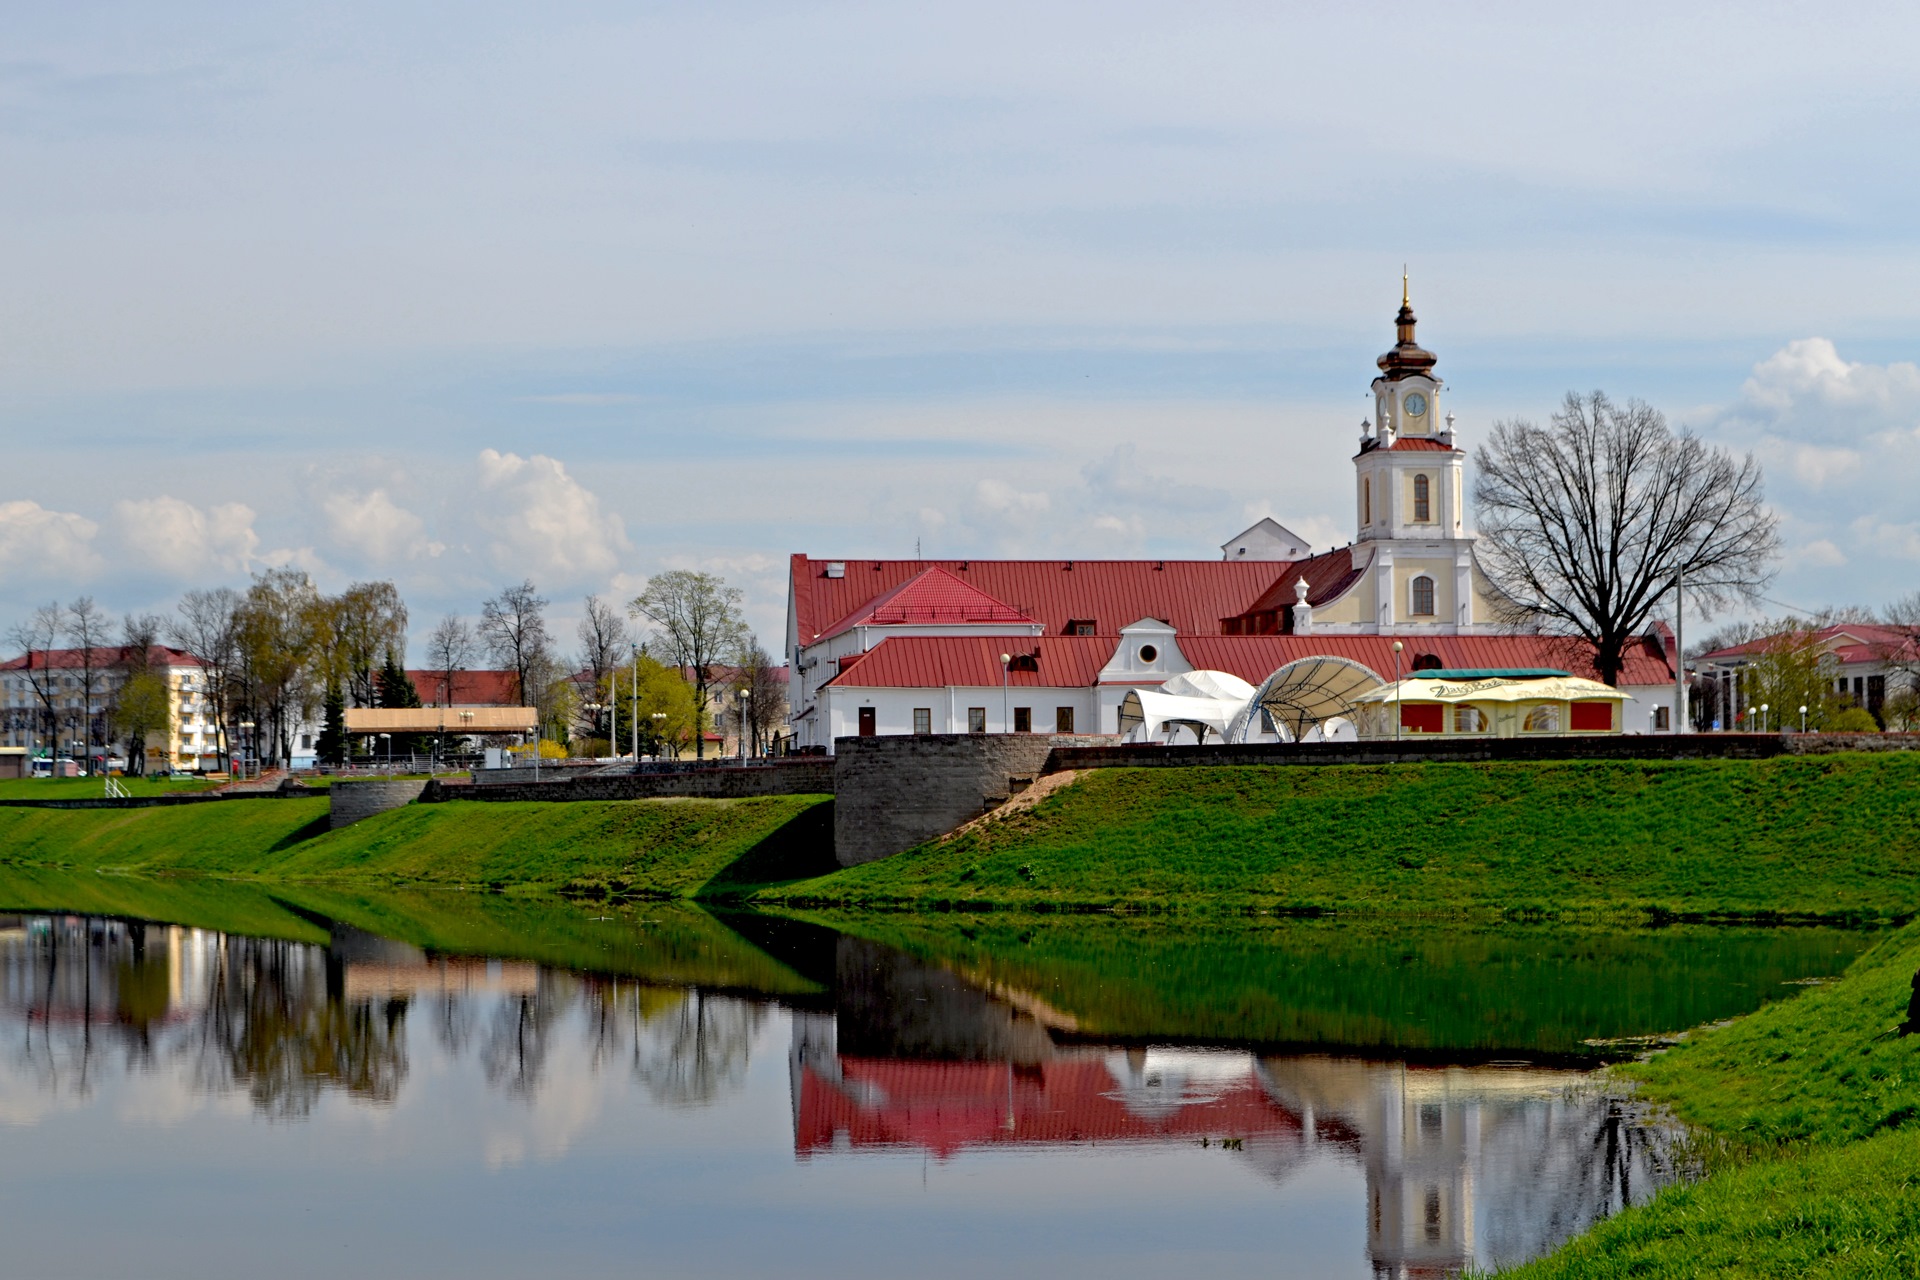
(459, 295)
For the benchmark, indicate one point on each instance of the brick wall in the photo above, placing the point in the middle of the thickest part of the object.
(797, 778)
(351, 801)
(892, 793)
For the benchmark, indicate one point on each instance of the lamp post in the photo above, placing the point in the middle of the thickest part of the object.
(1763, 717)
(1396, 690)
(1006, 720)
(386, 741)
(746, 697)
(1803, 718)
(613, 713)
(466, 720)
(250, 748)
(656, 717)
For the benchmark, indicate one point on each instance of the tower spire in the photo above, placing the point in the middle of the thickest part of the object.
(1403, 286)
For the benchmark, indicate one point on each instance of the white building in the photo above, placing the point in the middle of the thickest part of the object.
(1014, 646)
(193, 743)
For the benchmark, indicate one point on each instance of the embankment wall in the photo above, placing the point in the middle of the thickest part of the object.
(795, 778)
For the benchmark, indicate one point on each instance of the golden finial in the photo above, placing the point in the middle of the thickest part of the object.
(1403, 285)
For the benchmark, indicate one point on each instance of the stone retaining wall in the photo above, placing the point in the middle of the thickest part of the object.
(895, 792)
(352, 801)
(801, 778)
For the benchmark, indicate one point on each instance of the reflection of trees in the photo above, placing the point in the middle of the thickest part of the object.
(517, 1040)
(696, 1051)
(270, 1025)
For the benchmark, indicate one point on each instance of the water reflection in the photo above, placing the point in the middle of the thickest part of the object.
(1452, 1165)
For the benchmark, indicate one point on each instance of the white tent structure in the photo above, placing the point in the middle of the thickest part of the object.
(1491, 703)
(1200, 701)
(1309, 700)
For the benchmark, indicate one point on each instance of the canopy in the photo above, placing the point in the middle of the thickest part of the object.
(1200, 700)
(441, 719)
(1307, 692)
(1559, 688)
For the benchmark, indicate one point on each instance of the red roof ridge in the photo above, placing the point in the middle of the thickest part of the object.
(932, 597)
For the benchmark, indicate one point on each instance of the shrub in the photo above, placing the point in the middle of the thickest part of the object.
(1851, 720)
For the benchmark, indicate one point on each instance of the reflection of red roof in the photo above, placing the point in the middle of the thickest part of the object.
(915, 662)
(945, 1106)
(470, 688)
(1071, 662)
(932, 598)
(1193, 595)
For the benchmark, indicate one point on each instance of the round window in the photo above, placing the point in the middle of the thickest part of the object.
(1148, 653)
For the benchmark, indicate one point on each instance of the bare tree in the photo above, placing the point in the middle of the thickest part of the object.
(604, 643)
(757, 715)
(697, 623)
(513, 625)
(451, 649)
(142, 704)
(207, 628)
(1586, 523)
(38, 635)
(87, 633)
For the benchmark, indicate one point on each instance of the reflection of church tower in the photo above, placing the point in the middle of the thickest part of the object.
(1410, 496)
(1420, 1170)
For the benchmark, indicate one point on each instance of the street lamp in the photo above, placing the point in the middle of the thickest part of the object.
(1763, 717)
(252, 747)
(387, 740)
(1803, 718)
(656, 717)
(1006, 721)
(1396, 690)
(746, 696)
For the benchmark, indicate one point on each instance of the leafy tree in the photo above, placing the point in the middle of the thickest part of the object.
(1792, 671)
(275, 632)
(697, 624)
(393, 687)
(371, 623)
(1851, 720)
(665, 693)
(144, 711)
(1586, 524)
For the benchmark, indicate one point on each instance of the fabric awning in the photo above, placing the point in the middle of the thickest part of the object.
(1495, 689)
(442, 719)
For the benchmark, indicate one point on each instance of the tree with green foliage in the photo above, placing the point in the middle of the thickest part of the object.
(1791, 671)
(394, 688)
(144, 711)
(332, 746)
(697, 624)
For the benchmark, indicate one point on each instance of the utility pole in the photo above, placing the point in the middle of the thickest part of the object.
(1679, 663)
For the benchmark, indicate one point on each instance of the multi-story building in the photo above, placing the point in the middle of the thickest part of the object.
(54, 679)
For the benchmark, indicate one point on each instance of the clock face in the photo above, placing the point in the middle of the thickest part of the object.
(1416, 405)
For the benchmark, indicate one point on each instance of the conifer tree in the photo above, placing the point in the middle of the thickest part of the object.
(332, 746)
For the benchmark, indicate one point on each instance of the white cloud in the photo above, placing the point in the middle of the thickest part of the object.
(543, 523)
(184, 542)
(997, 497)
(377, 527)
(1806, 391)
(1821, 553)
(38, 543)
(1901, 541)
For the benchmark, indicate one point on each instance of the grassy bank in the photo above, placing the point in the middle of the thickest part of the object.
(652, 848)
(1829, 837)
(1815, 1106)
(95, 788)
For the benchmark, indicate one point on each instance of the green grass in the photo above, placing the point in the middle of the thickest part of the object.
(654, 848)
(1814, 1108)
(1826, 837)
(93, 788)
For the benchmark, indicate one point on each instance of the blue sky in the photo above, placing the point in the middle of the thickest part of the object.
(464, 294)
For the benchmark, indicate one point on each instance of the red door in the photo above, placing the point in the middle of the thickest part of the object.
(867, 729)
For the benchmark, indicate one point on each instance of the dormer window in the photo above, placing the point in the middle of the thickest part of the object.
(1024, 662)
(1085, 626)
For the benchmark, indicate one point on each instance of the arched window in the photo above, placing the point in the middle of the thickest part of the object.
(1366, 500)
(1423, 595)
(1422, 500)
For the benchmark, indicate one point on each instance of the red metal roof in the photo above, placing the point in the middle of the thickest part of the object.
(1875, 643)
(1328, 576)
(1419, 444)
(1071, 662)
(470, 688)
(1193, 595)
(104, 656)
(944, 1107)
(933, 597)
(939, 662)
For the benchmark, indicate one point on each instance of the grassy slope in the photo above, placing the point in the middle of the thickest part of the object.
(92, 788)
(671, 848)
(1828, 836)
(1820, 1110)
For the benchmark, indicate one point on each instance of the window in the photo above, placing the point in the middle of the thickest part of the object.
(1422, 717)
(1422, 499)
(923, 720)
(1662, 719)
(1469, 720)
(1423, 596)
(867, 727)
(1079, 626)
(1542, 720)
(1148, 654)
(1023, 719)
(1063, 719)
(1024, 662)
(306, 742)
(976, 719)
(1592, 717)
(1366, 500)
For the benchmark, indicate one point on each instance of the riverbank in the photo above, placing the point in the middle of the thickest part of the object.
(1809, 1114)
(1830, 838)
(645, 848)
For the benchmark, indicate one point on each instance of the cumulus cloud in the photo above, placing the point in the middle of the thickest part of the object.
(38, 543)
(377, 527)
(1806, 391)
(539, 520)
(997, 497)
(182, 541)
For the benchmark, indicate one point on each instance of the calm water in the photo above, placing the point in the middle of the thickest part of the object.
(687, 1098)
